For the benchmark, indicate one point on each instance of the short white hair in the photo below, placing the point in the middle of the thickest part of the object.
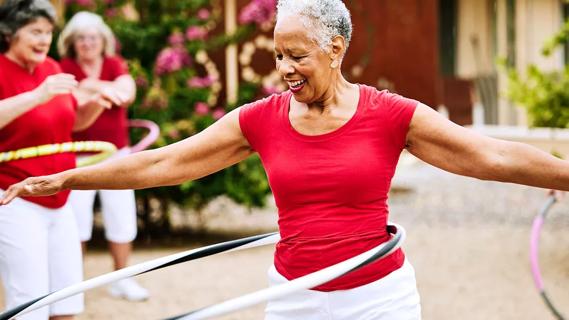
(324, 18)
(80, 21)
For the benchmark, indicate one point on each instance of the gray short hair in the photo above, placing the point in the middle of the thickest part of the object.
(327, 18)
(78, 22)
(15, 14)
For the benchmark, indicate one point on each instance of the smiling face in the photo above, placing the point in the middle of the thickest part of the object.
(30, 44)
(88, 44)
(302, 63)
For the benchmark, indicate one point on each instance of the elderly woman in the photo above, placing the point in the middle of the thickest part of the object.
(330, 149)
(87, 46)
(39, 247)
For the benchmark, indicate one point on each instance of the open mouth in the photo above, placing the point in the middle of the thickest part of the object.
(39, 51)
(296, 86)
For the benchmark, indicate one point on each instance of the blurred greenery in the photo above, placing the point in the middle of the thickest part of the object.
(544, 94)
(168, 44)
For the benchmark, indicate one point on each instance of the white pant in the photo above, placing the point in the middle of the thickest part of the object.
(393, 297)
(119, 213)
(39, 253)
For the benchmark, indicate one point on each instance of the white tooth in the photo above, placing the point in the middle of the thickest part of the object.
(296, 83)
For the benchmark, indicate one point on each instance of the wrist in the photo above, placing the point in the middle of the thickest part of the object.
(37, 97)
(64, 180)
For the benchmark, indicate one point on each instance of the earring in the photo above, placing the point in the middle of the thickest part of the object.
(334, 64)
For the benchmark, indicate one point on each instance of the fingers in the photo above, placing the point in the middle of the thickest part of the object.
(57, 84)
(100, 101)
(114, 96)
(34, 186)
(11, 193)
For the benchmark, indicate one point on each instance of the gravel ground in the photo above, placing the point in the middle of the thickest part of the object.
(467, 239)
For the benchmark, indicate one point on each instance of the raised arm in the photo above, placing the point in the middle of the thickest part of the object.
(13, 107)
(217, 147)
(453, 148)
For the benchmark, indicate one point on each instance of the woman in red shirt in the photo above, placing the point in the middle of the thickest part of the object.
(330, 149)
(87, 48)
(39, 244)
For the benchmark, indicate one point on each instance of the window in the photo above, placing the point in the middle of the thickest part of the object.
(447, 36)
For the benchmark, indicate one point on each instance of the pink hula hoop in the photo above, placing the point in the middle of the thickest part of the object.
(149, 139)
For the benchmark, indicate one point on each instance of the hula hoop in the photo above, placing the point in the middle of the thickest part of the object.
(104, 149)
(305, 282)
(151, 136)
(534, 252)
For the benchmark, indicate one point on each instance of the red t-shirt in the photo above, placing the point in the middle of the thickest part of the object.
(112, 124)
(51, 122)
(331, 189)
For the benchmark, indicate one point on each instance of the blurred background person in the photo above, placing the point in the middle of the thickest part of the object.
(39, 247)
(87, 48)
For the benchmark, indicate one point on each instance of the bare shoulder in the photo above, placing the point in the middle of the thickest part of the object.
(227, 129)
(427, 123)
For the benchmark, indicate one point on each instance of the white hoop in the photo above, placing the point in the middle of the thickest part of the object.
(305, 282)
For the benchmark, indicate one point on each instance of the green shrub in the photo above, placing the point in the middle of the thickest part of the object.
(545, 95)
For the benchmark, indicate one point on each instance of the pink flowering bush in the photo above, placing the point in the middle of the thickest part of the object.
(260, 12)
(203, 14)
(176, 39)
(172, 59)
(196, 33)
(160, 40)
(200, 82)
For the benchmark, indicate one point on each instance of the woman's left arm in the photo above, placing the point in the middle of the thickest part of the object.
(123, 88)
(440, 142)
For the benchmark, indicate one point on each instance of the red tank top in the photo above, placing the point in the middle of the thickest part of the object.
(331, 189)
(48, 123)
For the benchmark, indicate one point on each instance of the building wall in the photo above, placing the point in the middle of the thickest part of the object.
(474, 39)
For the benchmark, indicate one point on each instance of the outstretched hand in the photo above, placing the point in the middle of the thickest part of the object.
(34, 186)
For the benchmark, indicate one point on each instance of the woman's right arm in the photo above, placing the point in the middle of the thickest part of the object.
(13, 107)
(217, 147)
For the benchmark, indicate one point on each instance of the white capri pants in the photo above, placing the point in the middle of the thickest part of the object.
(40, 253)
(394, 297)
(119, 213)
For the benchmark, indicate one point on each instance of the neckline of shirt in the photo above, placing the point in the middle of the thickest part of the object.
(346, 126)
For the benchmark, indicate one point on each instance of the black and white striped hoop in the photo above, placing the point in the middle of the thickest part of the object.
(306, 282)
